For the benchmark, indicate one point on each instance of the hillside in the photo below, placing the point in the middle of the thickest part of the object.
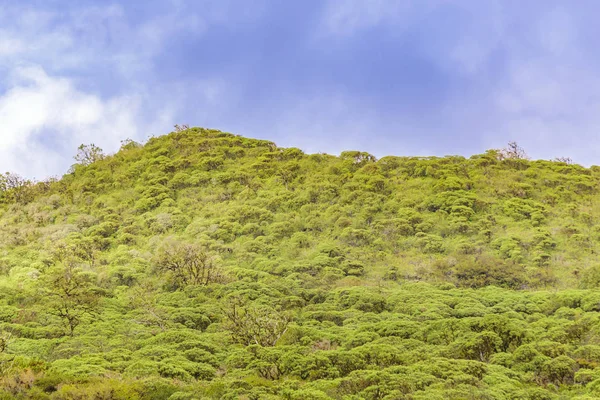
(204, 265)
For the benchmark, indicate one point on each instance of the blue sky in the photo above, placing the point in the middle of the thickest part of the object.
(401, 77)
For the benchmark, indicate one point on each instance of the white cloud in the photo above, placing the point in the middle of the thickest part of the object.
(9, 45)
(541, 93)
(349, 17)
(547, 97)
(43, 117)
(50, 58)
(86, 37)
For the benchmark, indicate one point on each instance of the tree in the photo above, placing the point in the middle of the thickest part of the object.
(71, 294)
(130, 144)
(143, 299)
(566, 160)
(250, 324)
(181, 128)
(88, 154)
(4, 339)
(187, 263)
(480, 346)
(13, 187)
(80, 248)
(559, 370)
(514, 152)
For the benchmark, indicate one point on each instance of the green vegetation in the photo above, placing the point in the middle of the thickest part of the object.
(204, 265)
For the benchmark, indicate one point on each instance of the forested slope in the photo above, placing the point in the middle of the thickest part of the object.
(207, 265)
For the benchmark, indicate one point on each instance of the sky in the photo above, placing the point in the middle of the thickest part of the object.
(391, 77)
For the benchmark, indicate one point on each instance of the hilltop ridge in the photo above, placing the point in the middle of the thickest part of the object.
(415, 216)
(203, 264)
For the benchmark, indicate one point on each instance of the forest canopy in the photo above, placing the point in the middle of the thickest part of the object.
(206, 265)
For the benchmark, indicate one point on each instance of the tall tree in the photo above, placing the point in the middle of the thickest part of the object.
(71, 294)
(88, 154)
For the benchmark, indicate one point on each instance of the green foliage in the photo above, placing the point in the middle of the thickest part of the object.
(69, 294)
(186, 264)
(204, 265)
(89, 154)
(254, 325)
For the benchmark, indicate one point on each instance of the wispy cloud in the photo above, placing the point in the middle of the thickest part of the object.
(76, 75)
(387, 76)
(44, 118)
(350, 17)
(516, 72)
(83, 36)
(547, 97)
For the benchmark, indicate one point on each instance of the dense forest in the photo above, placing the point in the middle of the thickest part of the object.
(205, 265)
